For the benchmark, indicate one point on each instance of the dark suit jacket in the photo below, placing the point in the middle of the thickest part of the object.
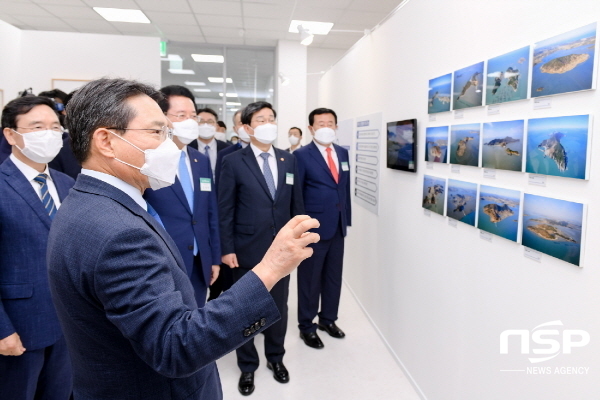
(220, 145)
(5, 148)
(25, 303)
(184, 224)
(127, 307)
(220, 155)
(323, 198)
(250, 218)
(65, 160)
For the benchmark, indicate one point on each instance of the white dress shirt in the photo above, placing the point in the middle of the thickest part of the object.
(31, 173)
(244, 144)
(323, 151)
(119, 184)
(212, 152)
(189, 167)
(271, 160)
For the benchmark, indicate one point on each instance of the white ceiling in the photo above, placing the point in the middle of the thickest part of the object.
(225, 22)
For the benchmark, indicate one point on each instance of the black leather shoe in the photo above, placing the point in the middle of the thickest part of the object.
(280, 372)
(311, 339)
(246, 385)
(333, 330)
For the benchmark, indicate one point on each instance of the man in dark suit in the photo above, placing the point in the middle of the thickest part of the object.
(324, 173)
(65, 161)
(34, 362)
(206, 143)
(119, 284)
(188, 208)
(258, 194)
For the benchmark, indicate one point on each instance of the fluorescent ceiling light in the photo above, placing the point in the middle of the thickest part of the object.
(314, 27)
(208, 58)
(229, 94)
(270, 90)
(234, 109)
(201, 90)
(182, 71)
(219, 80)
(233, 103)
(194, 83)
(172, 57)
(122, 15)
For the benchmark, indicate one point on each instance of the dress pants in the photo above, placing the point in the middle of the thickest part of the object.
(43, 374)
(247, 355)
(320, 276)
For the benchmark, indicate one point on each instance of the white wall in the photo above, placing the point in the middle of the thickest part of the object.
(10, 49)
(440, 295)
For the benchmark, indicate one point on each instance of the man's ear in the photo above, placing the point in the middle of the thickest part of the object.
(102, 142)
(9, 135)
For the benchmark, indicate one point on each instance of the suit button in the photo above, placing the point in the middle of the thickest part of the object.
(190, 247)
(247, 332)
(263, 322)
(252, 330)
(194, 222)
(257, 326)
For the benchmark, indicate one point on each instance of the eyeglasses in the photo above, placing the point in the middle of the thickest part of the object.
(39, 130)
(181, 117)
(262, 120)
(163, 133)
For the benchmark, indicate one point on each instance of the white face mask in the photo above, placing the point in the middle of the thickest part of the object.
(41, 146)
(160, 164)
(186, 131)
(266, 133)
(325, 135)
(222, 136)
(206, 131)
(244, 137)
(294, 140)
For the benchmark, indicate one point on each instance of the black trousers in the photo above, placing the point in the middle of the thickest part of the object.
(247, 355)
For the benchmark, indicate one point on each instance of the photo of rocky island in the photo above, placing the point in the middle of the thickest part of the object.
(440, 92)
(436, 144)
(558, 146)
(564, 63)
(499, 211)
(468, 87)
(507, 77)
(434, 190)
(464, 144)
(461, 202)
(503, 145)
(553, 227)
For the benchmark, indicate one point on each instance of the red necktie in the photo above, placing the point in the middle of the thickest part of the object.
(331, 164)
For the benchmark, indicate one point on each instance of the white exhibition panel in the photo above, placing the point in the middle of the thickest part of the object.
(440, 294)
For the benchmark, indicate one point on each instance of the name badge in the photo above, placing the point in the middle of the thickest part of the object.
(345, 166)
(289, 179)
(205, 185)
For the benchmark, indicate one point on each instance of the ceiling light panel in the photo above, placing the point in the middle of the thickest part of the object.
(207, 58)
(122, 15)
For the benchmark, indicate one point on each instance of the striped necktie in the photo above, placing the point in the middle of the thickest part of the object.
(45, 195)
(268, 174)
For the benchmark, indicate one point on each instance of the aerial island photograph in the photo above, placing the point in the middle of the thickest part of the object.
(461, 203)
(464, 144)
(468, 87)
(436, 144)
(440, 92)
(434, 190)
(503, 145)
(507, 77)
(499, 211)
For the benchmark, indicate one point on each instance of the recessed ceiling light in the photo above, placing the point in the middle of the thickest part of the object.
(201, 90)
(208, 58)
(229, 94)
(194, 83)
(182, 71)
(233, 103)
(122, 15)
(314, 27)
(172, 57)
(219, 80)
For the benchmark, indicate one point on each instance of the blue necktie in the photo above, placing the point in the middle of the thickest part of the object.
(154, 214)
(268, 174)
(186, 184)
(45, 195)
(206, 148)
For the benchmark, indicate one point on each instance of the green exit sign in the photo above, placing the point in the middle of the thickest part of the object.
(163, 49)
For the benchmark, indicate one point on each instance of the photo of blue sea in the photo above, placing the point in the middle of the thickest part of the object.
(558, 146)
(436, 144)
(507, 77)
(498, 211)
(461, 202)
(553, 227)
(434, 191)
(564, 63)
(440, 93)
(503, 145)
(468, 87)
(400, 146)
(464, 144)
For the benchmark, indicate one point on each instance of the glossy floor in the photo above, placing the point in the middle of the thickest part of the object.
(356, 367)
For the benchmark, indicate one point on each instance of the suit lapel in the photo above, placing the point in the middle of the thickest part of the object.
(195, 179)
(280, 160)
(341, 158)
(60, 189)
(178, 190)
(318, 157)
(252, 163)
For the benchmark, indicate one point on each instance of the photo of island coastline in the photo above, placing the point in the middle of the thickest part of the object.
(498, 211)
(558, 146)
(461, 203)
(468, 87)
(436, 144)
(440, 93)
(464, 144)
(434, 190)
(507, 77)
(564, 63)
(553, 227)
(503, 145)
(401, 146)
